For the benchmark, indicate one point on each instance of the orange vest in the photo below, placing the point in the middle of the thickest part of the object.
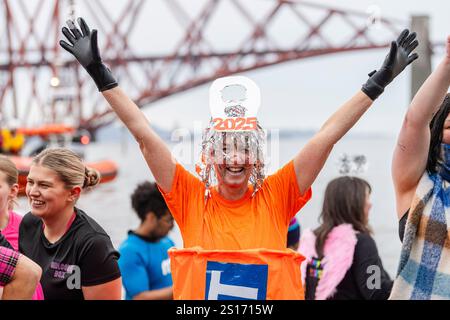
(255, 274)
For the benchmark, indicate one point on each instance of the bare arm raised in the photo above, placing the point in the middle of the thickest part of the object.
(411, 153)
(83, 45)
(311, 159)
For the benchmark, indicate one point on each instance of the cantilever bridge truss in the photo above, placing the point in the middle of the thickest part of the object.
(162, 47)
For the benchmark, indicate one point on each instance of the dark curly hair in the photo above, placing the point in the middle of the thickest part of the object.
(436, 128)
(147, 198)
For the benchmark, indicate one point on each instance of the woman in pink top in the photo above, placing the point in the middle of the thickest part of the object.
(9, 220)
(9, 226)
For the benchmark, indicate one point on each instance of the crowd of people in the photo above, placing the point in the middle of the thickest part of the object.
(57, 251)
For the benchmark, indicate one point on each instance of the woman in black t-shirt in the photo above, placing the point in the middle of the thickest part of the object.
(76, 255)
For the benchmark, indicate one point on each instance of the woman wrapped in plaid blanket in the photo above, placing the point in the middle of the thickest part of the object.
(421, 173)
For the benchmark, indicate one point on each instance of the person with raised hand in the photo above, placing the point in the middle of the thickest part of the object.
(263, 216)
(398, 58)
(85, 48)
(421, 175)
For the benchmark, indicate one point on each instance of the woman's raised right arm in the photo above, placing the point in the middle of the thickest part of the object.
(83, 45)
(411, 151)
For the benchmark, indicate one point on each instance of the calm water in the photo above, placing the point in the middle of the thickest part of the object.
(109, 204)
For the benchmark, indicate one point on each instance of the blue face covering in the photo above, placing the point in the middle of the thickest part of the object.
(443, 166)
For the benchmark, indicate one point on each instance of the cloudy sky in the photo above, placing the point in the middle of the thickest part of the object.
(297, 95)
(303, 93)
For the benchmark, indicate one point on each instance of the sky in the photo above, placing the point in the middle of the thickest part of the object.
(303, 93)
(298, 95)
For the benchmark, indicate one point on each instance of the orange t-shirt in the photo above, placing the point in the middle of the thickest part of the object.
(249, 223)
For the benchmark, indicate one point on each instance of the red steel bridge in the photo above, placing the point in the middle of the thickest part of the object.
(159, 48)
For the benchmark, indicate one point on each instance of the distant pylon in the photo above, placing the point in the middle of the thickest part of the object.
(421, 68)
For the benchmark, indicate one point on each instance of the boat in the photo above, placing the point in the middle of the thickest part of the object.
(59, 135)
(108, 170)
(47, 129)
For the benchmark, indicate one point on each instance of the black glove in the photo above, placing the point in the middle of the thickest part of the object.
(396, 61)
(85, 49)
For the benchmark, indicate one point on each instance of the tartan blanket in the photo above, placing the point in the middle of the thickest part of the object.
(424, 269)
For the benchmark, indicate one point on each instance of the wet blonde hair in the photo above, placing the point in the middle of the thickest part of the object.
(69, 167)
(12, 175)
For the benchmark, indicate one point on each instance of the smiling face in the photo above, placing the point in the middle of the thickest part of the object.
(47, 194)
(233, 163)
